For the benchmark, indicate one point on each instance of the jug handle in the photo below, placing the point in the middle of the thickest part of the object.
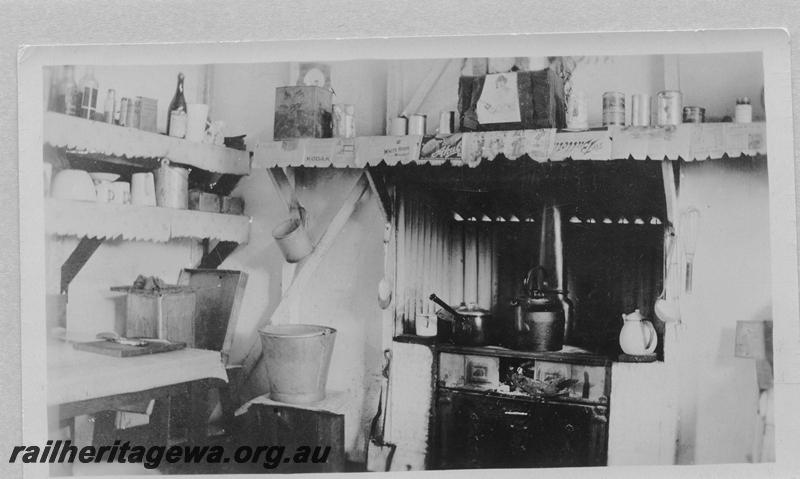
(652, 340)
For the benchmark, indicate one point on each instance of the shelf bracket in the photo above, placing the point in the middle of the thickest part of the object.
(212, 259)
(80, 255)
(378, 186)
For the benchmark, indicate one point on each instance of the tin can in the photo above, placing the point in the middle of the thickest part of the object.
(640, 109)
(744, 111)
(668, 108)
(398, 126)
(613, 108)
(417, 124)
(577, 111)
(123, 111)
(344, 121)
(694, 114)
(447, 122)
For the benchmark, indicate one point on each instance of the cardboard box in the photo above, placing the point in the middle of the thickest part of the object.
(303, 112)
(202, 201)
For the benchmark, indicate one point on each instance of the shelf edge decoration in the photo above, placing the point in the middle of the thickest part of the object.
(64, 131)
(141, 223)
(688, 141)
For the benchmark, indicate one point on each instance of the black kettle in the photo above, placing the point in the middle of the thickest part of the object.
(539, 319)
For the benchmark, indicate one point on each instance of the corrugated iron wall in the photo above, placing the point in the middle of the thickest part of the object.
(435, 254)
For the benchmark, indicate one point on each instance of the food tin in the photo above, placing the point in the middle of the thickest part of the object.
(417, 124)
(668, 108)
(123, 112)
(447, 122)
(613, 108)
(398, 126)
(694, 114)
(640, 109)
(344, 122)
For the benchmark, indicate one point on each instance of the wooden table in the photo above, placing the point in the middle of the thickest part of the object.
(83, 384)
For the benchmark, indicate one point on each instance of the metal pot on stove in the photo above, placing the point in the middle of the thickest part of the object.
(539, 315)
(467, 325)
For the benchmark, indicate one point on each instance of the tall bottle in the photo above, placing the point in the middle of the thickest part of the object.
(89, 90)
(176, 115)
(69, 102)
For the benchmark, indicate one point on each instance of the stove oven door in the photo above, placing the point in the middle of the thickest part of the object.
(479, 431)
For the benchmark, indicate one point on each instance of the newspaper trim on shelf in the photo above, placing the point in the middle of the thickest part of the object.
(690, 142)
(141, 223)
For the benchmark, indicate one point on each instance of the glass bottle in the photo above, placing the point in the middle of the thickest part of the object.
(89, 90)
(176, 114)
(69, 102)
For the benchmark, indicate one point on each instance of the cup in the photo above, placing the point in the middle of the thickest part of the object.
(143, 189)
(196, 121)
(104, 192)
(122, 192)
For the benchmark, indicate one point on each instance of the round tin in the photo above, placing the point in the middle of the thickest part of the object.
(417, 124)
(447, 122)
(668, 108)
(640, 109)
(398, 126)
(613, 108)
(694, 114)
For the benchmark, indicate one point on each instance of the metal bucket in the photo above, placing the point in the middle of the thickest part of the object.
(172, 186)
(297, 359)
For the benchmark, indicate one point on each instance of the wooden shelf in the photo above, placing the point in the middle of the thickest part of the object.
(138, 147)
(85, 219)
(688, 141)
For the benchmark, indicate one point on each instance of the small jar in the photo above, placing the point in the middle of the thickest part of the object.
(744, 110)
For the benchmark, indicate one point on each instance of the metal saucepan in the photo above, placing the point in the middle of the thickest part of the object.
(467, 325)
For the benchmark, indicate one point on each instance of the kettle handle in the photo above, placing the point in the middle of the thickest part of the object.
(526, 282)
(652, 337)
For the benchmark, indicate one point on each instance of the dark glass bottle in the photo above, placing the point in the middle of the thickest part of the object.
(176, 115)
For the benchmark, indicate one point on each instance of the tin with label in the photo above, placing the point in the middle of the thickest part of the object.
(417, 124)
(694, 114)
(640, 109)
(668, 108)
(344, 122)
(613, 108)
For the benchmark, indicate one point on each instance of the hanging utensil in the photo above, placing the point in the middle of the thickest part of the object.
(384, 285)
(689, 224)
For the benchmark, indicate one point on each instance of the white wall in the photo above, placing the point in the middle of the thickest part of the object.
(718, 392)
(715, 81)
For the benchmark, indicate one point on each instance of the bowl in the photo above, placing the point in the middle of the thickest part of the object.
(109, 177)
(73, 185)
